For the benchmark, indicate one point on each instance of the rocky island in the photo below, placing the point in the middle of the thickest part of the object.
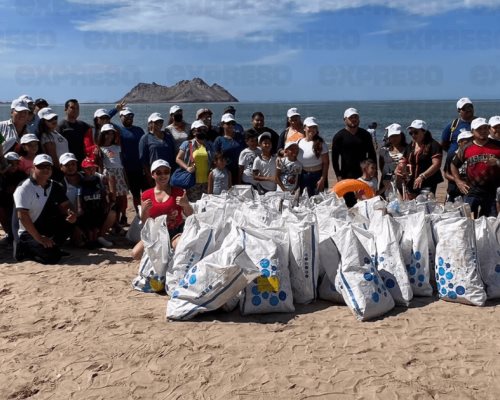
(193, 91)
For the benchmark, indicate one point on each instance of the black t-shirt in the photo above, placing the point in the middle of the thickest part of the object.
(74, 132)
(93, 195)
(350, 149)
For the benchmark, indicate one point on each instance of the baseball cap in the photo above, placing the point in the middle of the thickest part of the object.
(464, 135)
(46, 113)
(198, 124)
(126, 111)
(29, 137)
(174, 109)
(290, 144)
(229, 110)
(292, 112)
(159, 163)
(41, 103)
(19, 105)
(12, 156)
(42, 158)
(202, 111)
(310, 121)
(27, 98)
(393, 129)
(227, 117)
(101, 112)
(66, 158)
(155, 117)
(88, 162)
(463, 101)
(108, 127)
(264, 135)
(494, 121)
(350, 112)
(478, 122)
(418, 124)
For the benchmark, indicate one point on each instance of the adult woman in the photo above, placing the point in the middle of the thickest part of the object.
(101, 117)
(423, 156)
(390, 156)
(163, 199)
(52, 142)
(195, 156)
(294, 130)
(177, 126)
(229, 146)
(313, 155)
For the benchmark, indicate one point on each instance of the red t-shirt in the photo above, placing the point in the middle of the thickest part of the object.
(168, 208)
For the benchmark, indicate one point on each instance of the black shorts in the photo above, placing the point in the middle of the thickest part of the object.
(136, 182)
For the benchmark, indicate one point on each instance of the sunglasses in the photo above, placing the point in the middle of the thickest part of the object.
(44, 166)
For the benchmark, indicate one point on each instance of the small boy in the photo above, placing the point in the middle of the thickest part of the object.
(264, 166)
(288, 169)
(369, 176)
(247, 157)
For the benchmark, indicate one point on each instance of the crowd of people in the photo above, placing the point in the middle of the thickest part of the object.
(63, 179)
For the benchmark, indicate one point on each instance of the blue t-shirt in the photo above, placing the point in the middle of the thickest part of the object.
(130, 138)
(231, 149)
(447, 136)
(152, 148)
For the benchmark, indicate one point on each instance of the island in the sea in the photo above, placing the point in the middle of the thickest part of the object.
(193, 91)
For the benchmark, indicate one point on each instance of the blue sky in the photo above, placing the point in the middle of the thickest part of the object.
(260, 50)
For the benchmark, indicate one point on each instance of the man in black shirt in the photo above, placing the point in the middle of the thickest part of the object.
(73, 129)
(350, 146)
(258, 127)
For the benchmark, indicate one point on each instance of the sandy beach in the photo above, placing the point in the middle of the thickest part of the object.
(79, 331)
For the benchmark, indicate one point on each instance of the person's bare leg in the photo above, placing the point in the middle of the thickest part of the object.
(138, 250)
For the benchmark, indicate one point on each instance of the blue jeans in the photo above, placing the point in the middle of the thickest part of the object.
(309, 180)
(487, 204)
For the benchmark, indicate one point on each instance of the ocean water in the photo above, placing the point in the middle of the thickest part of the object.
(437, 113)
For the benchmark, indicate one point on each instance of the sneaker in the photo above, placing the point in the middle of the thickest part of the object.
(103, 242)
(6, 241)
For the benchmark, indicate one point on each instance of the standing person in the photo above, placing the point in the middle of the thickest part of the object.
(288, 169)
(264, 166)
(247, 157)
(177, 126)
(450, 133)
(12, 129)
(130, 136)
(294, 130)
(205, 115)
(350, 146)
(29, 149)
(219, 179)
(390, 155)
(229, 146)
(369, 168)
(238, 128)
(74, 130)
(423, 156)
(494, 124)
(483, 170)
(155, 145)
(195, 156)
(259, 127)
(52, 142)
(101, 117)
(313, 155)
(463, 139)
(32, 123)
(44, 214)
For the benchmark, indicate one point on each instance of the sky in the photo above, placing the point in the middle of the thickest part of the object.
(259, 50)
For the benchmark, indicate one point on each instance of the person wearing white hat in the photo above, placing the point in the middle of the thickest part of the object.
(463, 139)
(288, 169)
(350, 146)
(264, 165)
(177, 126)
(77, 132)
(12, 129)
(465, 110)
(494, 123)
(229, 146)
(44, 215)
(52, 142)
(29, 149)
(294, 130)
(157, 144)
(33, 119)
(483, 170)
(390, 155)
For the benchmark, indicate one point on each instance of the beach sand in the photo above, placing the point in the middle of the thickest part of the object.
(79, 331)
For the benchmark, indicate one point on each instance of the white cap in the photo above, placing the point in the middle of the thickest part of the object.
(46, 113)
(289, 144)
(12, 156)
(310, 121)
(29, 137)
(155, 117)
(463, 101)
(418, 124)
(227, 118)
(108, 127)
(42, 158)
(198, 124)
(478, 122)
(174, 109)
(19, 105)
(350, 112)
(27, 98)
(264, 135)
(202, 111)
(494, 121)
(159, 163)
(464, 135)
(292, 112)
(393, 129)
(66, 158)
(126, 111)
(101, 112)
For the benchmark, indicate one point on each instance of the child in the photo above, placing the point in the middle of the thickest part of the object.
(97, 217)
(28, 151)
(264, 166)
(110, 154)
(369, 177)
(463, 138)
(288, 169)
(219, 179)
(247, 157)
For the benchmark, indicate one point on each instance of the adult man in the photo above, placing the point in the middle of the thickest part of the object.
(258, 127)
(350, 146)
(33, 120)
(461, 124)
(13, 128)
(483, 170)
(44, 215)
(130, 136)
(73, 129)
(494, 124)
(205, 115)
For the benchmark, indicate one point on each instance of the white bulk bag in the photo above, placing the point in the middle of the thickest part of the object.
(488, 251)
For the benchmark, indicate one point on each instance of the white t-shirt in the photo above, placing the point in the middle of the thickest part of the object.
(306, 154)
(58, 139)
(289, 173)
(179, 136)
(391, 160)
(373, 183)
(266, 168)
(111, 156)
(246, 159)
